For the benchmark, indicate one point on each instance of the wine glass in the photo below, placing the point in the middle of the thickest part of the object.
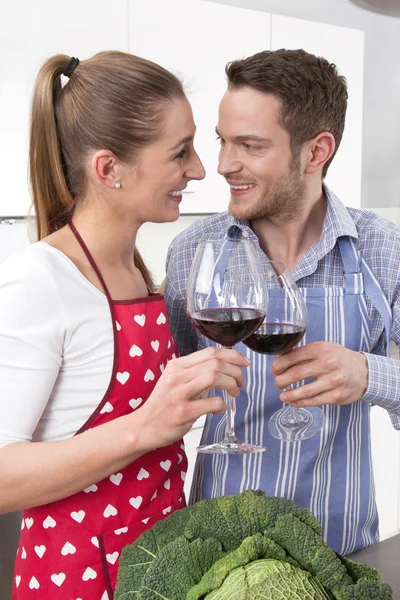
(284, 326)
(226, 300)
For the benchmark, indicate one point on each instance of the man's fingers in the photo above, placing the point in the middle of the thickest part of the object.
(307, 392)
(300, 371)
(309, 352)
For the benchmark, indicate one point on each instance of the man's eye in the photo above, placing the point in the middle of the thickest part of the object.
(221, 141)
(251, 147)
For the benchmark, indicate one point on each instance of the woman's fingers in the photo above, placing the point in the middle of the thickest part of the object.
(226, 354)
(214, 365)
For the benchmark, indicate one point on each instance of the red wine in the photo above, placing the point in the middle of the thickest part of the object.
(275, 338)
(228, 326)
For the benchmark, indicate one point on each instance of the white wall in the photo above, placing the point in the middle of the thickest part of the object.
(381, 118)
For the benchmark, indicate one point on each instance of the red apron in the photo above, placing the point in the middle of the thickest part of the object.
(69, 549)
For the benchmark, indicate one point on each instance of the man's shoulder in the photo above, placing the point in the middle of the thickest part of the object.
(374, 230)
(211, 227)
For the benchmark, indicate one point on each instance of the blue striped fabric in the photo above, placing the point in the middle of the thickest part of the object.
(332, 472)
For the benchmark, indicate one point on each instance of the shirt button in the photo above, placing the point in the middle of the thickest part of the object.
(245, 234)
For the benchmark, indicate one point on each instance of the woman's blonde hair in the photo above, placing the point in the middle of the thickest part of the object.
(113, 100)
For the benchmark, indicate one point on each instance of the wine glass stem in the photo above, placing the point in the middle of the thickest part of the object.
(230, 415)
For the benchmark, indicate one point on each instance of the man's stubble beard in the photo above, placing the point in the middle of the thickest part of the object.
(284, 198)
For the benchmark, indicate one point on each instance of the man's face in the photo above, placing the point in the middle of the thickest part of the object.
(256, 158)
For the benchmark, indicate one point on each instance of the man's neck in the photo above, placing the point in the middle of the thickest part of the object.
(288, 240)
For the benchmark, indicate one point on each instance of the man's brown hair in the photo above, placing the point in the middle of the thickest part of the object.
(313, 95)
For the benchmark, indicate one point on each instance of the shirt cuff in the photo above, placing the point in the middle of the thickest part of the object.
(383, 382)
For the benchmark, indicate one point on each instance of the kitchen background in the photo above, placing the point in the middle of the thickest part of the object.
(196, 38)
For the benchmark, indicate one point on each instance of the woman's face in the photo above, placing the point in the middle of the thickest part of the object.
(163, 169)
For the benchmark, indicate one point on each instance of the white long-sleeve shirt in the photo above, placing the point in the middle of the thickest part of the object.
(56, 346)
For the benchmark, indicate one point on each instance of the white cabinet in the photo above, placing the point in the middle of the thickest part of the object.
(30, 32)
(195, 40)
(345, 48)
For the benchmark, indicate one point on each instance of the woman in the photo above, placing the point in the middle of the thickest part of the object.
(92, 408)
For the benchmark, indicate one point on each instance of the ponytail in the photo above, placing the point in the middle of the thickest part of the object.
(51, 197)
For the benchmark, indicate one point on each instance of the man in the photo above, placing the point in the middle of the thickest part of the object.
(280, 123)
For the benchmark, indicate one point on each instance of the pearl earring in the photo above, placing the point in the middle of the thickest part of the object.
(117, 185)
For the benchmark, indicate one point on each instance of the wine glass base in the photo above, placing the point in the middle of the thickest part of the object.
(307, 423)
(230, 447)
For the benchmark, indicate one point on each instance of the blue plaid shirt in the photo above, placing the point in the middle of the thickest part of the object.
(321, 266)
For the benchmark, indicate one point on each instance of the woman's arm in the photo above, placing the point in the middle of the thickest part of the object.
(33, 474)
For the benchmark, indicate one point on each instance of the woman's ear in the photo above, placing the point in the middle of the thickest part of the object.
(319, 151)
(106, 169)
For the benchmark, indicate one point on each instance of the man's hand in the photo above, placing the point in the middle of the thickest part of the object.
(341, 375)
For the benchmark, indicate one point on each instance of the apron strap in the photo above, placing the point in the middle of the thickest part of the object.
(91, 261)
(354, 266)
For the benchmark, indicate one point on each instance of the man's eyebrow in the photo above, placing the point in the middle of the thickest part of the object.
(248, 138)
(185, 140)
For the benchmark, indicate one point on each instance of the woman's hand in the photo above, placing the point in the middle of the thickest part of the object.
(176, 401)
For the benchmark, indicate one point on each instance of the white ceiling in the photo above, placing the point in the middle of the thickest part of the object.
(386, 7)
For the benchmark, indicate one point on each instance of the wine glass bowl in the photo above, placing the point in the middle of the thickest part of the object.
(226, 301)
(283, 328)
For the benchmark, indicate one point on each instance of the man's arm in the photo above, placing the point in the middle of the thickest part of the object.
(176, 279)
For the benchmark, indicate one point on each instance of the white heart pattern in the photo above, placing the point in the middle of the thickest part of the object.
(68, 548)
(180, 458)
(23, 553)
(162, 368)
(135, 351)
(169, 344)
(183, 475)
(28, 523)
(135, 402)
(166, 465)
(95, 541)
(78, 516)
(107, 408)
(89, 574)
(155, 345)
(143, 474)
(118, 326)
(145, 521)
(116, 478)
(149, 375)
(166, 510)
(22, 524)
(123, 377)
(174, 355)
(122, 530)
(92, 488)
(136, 502)
(40, 550)
(34, 584)
(110, 511)
(161, 320)
(140, 319)
(58, 579)
(49, 522)
(112, 558)
(17, 580)
(167, 484)
(154, 496)
(105, 596)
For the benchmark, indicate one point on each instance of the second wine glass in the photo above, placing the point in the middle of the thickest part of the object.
(226, 301)
(283, 328)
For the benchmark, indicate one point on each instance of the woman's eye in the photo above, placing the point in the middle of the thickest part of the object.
(182, 153)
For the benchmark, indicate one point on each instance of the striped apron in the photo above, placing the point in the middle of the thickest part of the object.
(330, 473)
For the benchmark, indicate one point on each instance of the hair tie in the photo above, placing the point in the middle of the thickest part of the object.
(71, 66)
